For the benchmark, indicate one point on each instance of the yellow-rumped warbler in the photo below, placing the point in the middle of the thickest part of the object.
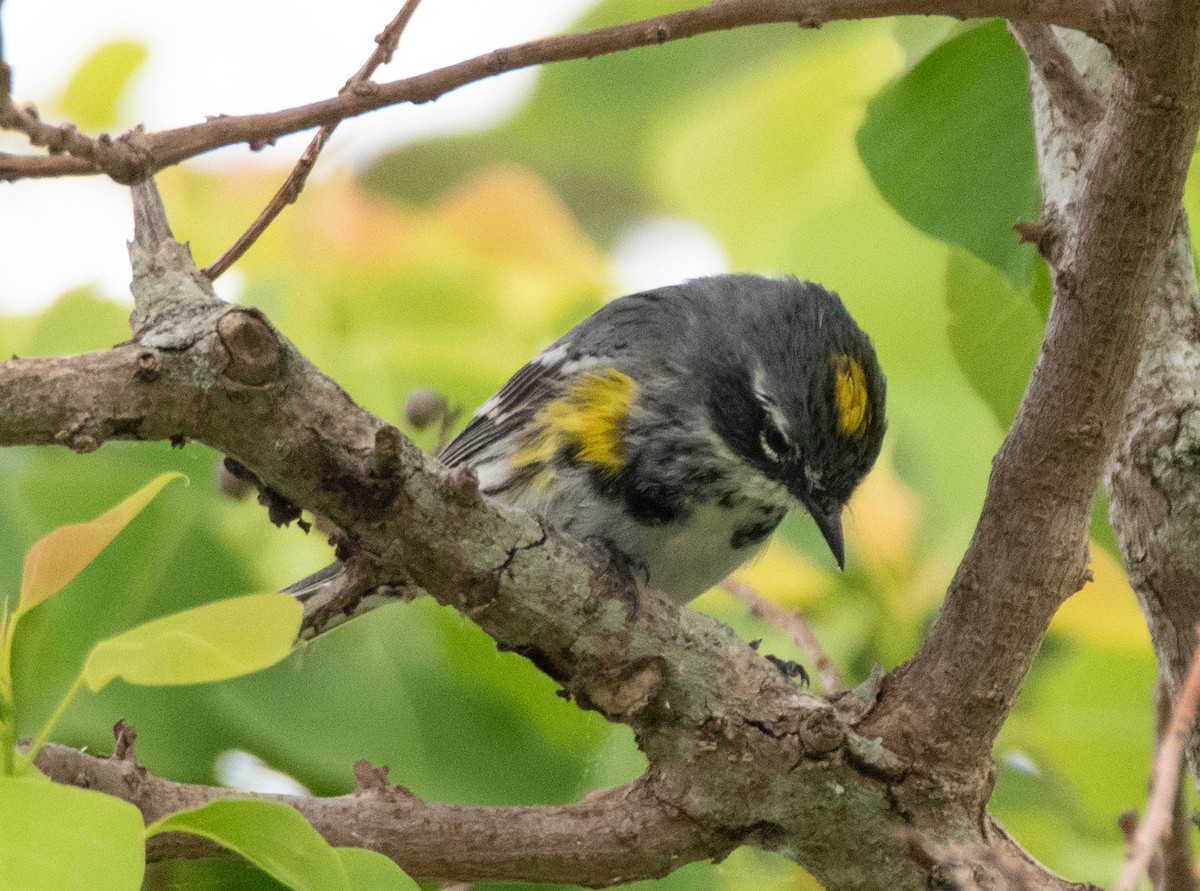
(681, 424)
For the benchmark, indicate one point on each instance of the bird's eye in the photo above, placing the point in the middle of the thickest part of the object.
(773, 443)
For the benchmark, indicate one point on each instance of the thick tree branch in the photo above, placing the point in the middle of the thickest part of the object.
(1152, 479)
(1029, 550)
(597, 842)
(735, 748)
(698, 698)
(1068, 91)
(132, 157)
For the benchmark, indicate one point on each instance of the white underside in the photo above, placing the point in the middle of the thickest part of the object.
(683, 559)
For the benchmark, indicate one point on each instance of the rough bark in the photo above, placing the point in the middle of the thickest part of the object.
(738, 753)
(887, 788)
(1113, 213)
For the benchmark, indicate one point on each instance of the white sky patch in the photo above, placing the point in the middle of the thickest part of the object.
(659, 251)
(61, 234)
(231, 57)
(249, 773)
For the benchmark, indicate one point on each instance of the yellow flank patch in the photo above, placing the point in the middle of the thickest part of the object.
(850, 396)
(588, 420)
(539, 450)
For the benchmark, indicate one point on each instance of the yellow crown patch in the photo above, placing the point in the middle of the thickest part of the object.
(850, 398)
(588, 419)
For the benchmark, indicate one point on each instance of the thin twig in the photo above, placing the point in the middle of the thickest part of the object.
(795, 625)
(1171, 868)
(5, 72)
(169, 147)
(385, 45)
(1164, 781)
(24, 119)
(1070, 94)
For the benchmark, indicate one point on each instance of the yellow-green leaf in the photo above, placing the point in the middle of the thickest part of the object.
(59, 838)
(370, 871)
(208, 643)
(272, 836)
(58, 557)
(91, 97)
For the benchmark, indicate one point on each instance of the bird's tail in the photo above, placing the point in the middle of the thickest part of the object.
(311, 585)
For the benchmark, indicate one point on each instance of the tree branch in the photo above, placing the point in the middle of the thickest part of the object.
(734, 747)
(1164, 786)
(1068, 91)
(128, 159)
(385, 44)
(1176, 864)
(1029, 550)
(600, 841)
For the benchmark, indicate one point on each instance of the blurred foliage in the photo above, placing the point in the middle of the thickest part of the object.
(448, 263)
(995, 331)
(91, 99)
(985, 183)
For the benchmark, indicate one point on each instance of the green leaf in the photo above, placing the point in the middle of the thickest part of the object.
(995, 332)
(91, 97)
(370, 871)
(950, 146)
(58, 557)
(272, 836)
(711, 159)
(213, 642)
(78, 321)
(59, 838)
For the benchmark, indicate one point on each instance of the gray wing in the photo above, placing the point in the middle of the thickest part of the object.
(506, 414)
(503, 424)
(498, 424)
(498, 427)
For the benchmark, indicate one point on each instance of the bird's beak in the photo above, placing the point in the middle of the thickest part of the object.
(829, 521)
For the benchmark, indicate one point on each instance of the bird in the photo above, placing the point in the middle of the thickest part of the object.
(679, 425)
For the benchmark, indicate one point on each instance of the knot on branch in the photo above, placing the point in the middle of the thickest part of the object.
(821, 732)
(372, 780)
(55, 139)
(127, 159)
(133, 773)
(82, 435)
(1045, 234)
(125, 737)
(386, 455)
(254, 351)
(461, 486)
(626, 690)
(148, 367)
